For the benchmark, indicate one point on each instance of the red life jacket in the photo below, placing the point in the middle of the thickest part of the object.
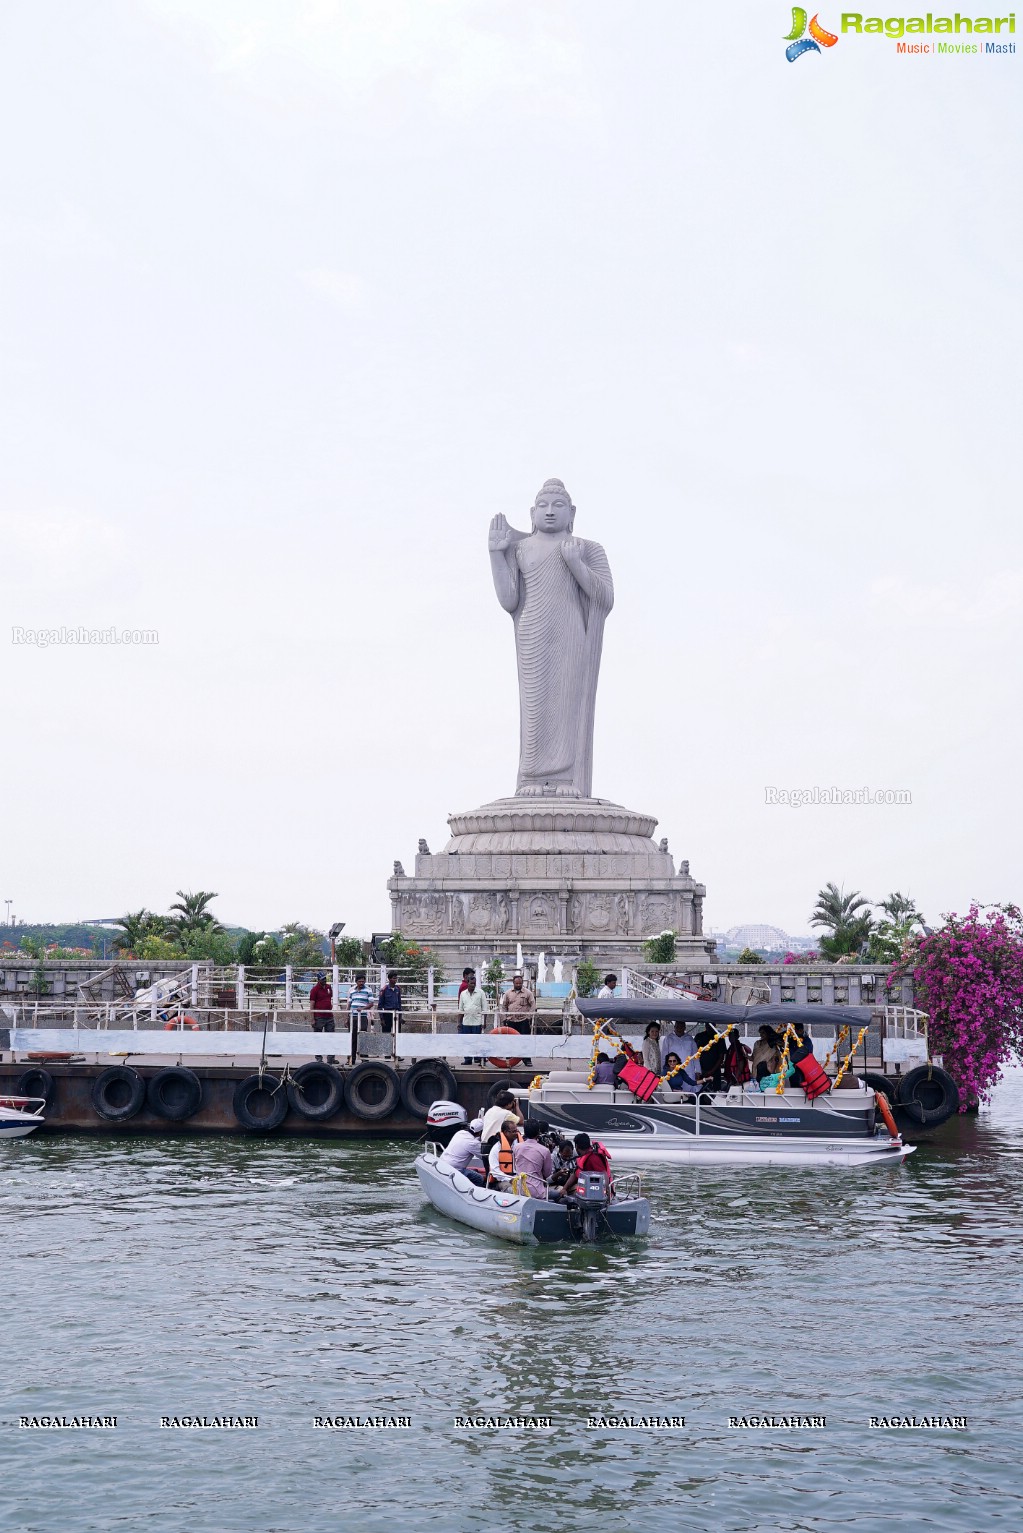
(815, 1080)
(640, 1081)
(597, 1159)
(737, 1064)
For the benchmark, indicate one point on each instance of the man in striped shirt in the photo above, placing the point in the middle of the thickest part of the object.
(360, 1003)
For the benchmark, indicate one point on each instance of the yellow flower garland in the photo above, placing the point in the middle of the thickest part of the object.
(730, 1027)
(602, 1032)
(848, 1058)
(843, 1032)
(789, 1033)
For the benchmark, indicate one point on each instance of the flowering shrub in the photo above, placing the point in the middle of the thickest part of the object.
(661, 949)
(968, 977)
(810, 957)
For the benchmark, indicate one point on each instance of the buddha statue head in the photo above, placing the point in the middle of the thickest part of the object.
(553, 510)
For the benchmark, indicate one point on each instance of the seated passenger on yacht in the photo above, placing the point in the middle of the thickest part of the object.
(678, 1040)
(681, 1080)
(604, 1074)
(737, 1066)
(652, 1047)
(766, 1053)
(534, 1158)
(463, 1147)
(712, 1061)
(501, 1160)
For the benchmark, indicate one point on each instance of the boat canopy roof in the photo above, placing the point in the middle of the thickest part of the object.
(654, 1008)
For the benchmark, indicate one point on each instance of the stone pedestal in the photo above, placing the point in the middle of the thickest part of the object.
(573, 877)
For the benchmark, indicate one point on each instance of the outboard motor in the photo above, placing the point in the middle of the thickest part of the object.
(591, 1197)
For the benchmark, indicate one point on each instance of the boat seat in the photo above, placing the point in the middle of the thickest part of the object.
(567, 1078)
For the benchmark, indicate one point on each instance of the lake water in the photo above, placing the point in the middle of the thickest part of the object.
(294, 1280)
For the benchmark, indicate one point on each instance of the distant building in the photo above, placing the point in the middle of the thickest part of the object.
(764, 939)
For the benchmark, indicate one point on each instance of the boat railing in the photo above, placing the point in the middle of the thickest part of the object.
(904, 1022)
(634, 983)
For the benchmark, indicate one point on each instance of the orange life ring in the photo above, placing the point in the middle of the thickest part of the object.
(172, 1027)
(505, 1064)
(881, 1103)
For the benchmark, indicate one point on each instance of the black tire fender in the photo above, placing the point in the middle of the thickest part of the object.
(426, 1082)
(317, 1091)
(174, 1093)
(372, 1090)
(498, 1087)
(928, 1095)
(36, 1083)
(878, 1083)
(260, 1103)
(118, 1093)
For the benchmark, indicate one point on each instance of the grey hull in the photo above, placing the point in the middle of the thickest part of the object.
(523, 1221)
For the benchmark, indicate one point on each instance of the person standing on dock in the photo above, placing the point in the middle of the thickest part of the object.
(389, 1002)
(321, 1004)
(360, 1002)
(518, 1007)
(471, 1005)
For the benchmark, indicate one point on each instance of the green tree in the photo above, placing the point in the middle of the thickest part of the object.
(902, 907)
(135, 927)
(193, 913)
(399, 953)
(892, 938)
(661, 949)
(349, 952)
(587, 978)
(158, 948)
(246, 943)
(493, 975)
(303, 947)
(846, 917)
(40, 983)
(749, 955)
(209, 945)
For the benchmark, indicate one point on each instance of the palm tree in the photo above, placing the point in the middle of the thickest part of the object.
(846, 916)
(136, 926)
(193, 914)
(901, 910)
(891, 938)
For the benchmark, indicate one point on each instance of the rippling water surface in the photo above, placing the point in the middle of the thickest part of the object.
(287, 1280)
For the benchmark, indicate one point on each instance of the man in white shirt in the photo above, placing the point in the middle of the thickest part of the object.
(505, 1106)
(607, 989)
(678, 1041)
(508, 1136)
(471, 1005)
(463, 1147)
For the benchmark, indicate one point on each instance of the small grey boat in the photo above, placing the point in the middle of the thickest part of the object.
(531, 1221)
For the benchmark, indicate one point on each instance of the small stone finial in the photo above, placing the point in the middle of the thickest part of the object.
(683, 867)
(399, 871)
(664, 843)
(423, 848)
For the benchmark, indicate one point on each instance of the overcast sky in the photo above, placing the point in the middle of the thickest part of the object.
(296, 297)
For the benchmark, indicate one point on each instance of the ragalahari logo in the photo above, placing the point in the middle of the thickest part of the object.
(798, 44)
